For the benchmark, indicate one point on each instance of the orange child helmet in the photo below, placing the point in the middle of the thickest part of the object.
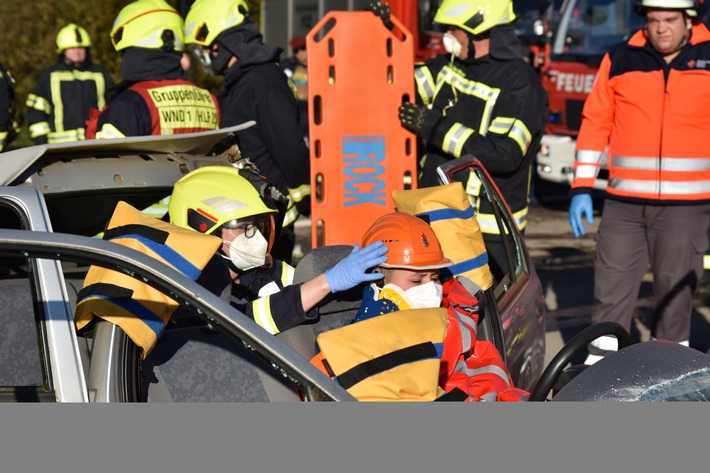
(411, 241)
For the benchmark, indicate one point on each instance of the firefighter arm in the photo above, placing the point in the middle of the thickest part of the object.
(277, 118)
(39, 109)
(281, 310)
(127, 116)
(518, 117)
(314, 291)
(597, 120)
(424, 84)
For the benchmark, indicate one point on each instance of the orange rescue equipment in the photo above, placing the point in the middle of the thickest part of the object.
(359, 73)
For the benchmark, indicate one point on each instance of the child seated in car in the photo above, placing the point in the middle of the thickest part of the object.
(446, 315)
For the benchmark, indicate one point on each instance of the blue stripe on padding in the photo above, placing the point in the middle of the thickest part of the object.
(171, 256)
(464, 266)
(447, 214)
(151, 320)
(439, 347)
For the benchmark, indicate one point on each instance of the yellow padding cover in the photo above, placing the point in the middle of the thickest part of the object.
(461, 239)
(144, 314)
(353, 345)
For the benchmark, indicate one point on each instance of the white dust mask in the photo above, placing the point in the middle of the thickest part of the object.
(452, 45)
(247, 253)
(425, 295)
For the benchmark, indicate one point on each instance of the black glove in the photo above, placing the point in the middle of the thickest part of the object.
(383, 11)
(304, 206)
(419, 119)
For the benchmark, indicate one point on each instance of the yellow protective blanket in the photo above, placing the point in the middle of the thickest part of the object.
(391, 357)
(452, 218)
(141, 311)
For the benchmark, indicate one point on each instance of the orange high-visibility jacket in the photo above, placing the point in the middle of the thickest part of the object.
(654, 118)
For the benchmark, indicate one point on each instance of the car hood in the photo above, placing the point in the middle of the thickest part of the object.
(17, 163)
(83, 181)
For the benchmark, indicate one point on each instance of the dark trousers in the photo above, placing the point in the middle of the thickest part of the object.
(672, 241)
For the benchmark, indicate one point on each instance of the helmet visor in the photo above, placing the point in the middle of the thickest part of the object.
(263, 223)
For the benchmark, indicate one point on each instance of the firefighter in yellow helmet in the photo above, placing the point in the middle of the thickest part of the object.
(237, 205)
(58, 107)
(256, 89)
(480, 98)
(155, 97)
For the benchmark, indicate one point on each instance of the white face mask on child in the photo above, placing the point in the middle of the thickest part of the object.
(247, 253)
(425, 295)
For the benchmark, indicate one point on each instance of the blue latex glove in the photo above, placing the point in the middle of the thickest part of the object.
(350, 271)
(580, 204)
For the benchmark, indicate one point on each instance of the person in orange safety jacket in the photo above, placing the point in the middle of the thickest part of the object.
(648, 111)
(470, 369)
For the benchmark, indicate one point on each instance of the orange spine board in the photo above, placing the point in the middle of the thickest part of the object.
(359, 73)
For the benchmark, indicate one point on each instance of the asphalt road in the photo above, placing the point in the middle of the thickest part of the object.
(565, 265)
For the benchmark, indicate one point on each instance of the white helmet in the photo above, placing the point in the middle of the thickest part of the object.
(692, 8)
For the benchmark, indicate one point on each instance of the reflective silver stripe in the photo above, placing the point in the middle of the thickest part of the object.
(468, 86)
(489, 369)
(465, 329)
(473, 188)
(262, 314)
(291, 215)
(501, 125)
(66, 136)
(287, 273)
(476, 89)
(515, 129)
(586, 171)
(589, 156)
(521, 135)
(300, 192)
(425, 83)
(109, 131)
(38, 103)
(455, 139)
(39, 129)
(489, 397)
(488, 222)
(663, 164)
(655, 187)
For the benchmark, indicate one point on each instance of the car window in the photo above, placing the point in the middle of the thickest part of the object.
(22, 370)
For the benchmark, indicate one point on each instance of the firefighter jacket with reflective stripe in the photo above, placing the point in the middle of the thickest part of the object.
(158, 107)
(276, 144)
(269, 296)
(59, 106)
(494, 109)
(654, 118)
